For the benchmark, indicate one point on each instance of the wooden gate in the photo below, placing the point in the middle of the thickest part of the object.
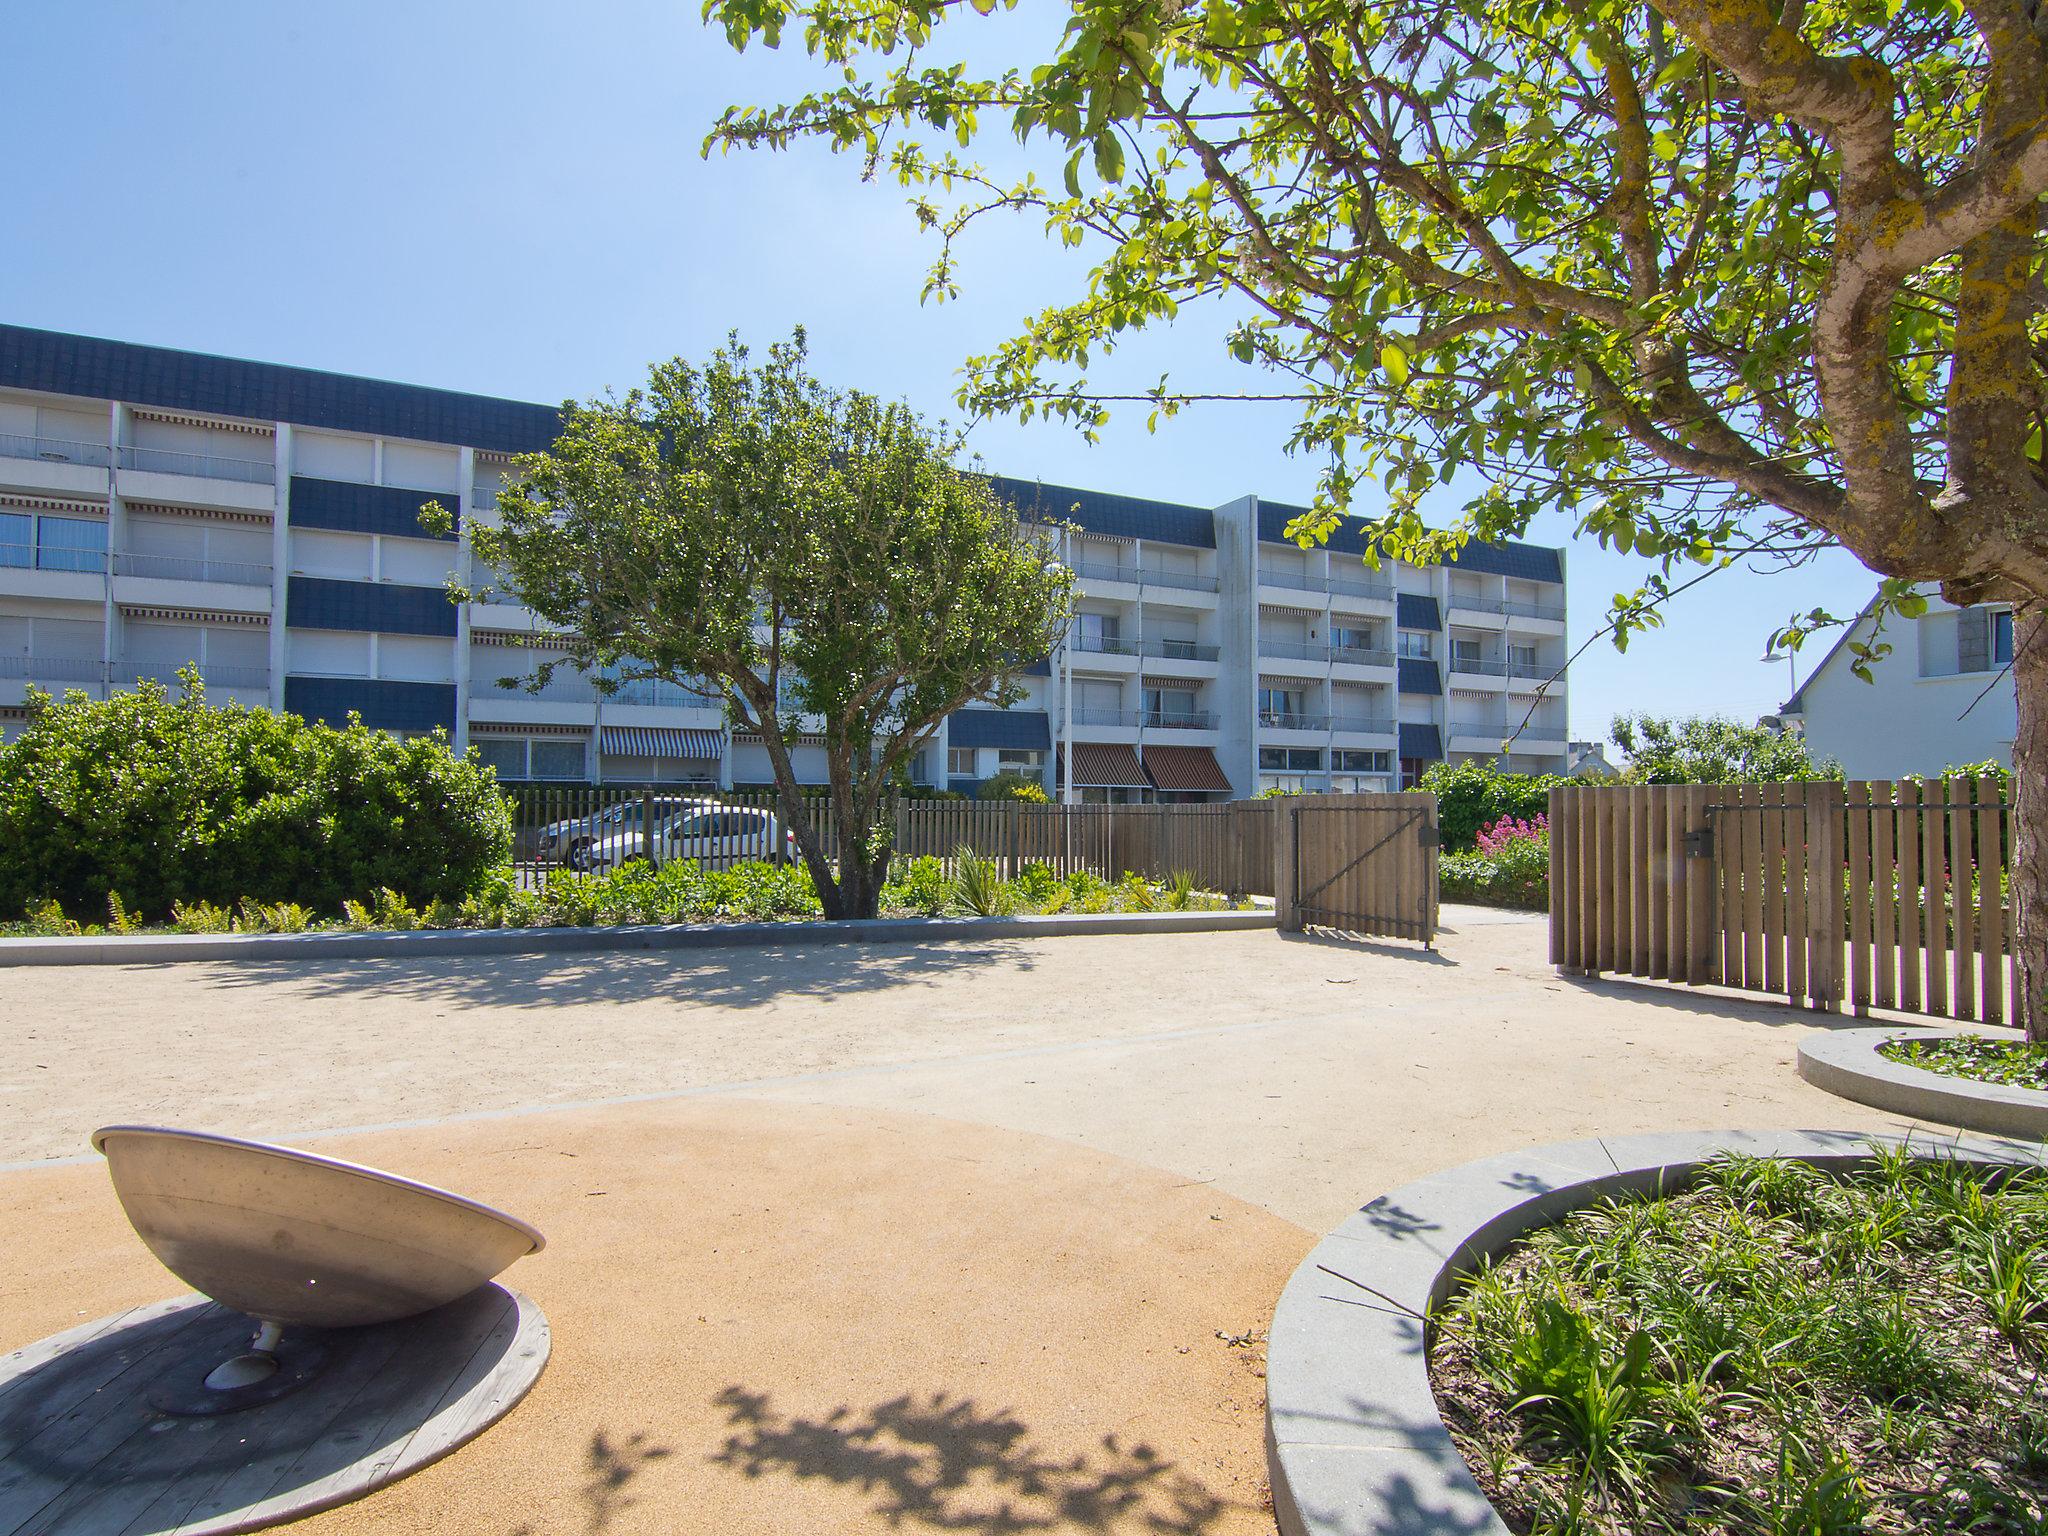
(1736, 885)
(1363, 864)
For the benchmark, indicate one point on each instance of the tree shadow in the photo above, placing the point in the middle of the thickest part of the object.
(610, 1466)
(738, 977)
(943, 1463)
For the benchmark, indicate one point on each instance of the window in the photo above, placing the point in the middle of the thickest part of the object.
(1417, 642)
(1023, 759)
(507, 756)
(960, 762)
(1356, 760)
(1290, 759)
(1346, 637)
(1097, 631)
(1168, 704)
(1412, 769)
(70, 544)
(1276, 704)
(17, 539)
(2001, 636)
(1464, 648)
(558, 760)
(1522, 656)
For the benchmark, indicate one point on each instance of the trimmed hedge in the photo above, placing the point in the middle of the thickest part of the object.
(1474, 795)
(153, 800)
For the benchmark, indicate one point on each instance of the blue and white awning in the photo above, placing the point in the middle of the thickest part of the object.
(678, 743)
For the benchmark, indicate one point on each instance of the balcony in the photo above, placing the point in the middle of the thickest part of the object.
(1104, 645)
(1362, 586)
(55, 450)
(1298, 581)
(661, 694)
(1183, 650)
(1178, 720)
(1104, 570)
(1478, 666)
(127, 673)
(1360, 656)
(1294, 650)
(1108, 717)
(1286, 720)
(1551, 611)
(1474, 604)
(1534, 671)
(233, 573)
(210, 466)
(1363, 725)
(1142, 576)
(56, 673)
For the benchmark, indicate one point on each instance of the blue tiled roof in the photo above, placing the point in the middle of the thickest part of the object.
(1026, 728)
(1531, 562)
(1124, 517)
(314, 602)
(1416, 610)
(352, 508)
(1421, 740)
(384, 706)
(62, 364)
(1418, 674)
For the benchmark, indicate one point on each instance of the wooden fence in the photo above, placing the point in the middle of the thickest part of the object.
(1226, 847)
(1871, 893)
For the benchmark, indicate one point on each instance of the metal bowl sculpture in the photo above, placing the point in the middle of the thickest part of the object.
(294, 1239)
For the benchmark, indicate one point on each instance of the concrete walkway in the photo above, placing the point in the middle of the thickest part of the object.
(976, 1237)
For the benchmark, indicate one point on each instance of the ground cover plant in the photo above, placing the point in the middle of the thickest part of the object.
(679, 892)
(1981, 1058)
(1508, 866)
(1774, 1350)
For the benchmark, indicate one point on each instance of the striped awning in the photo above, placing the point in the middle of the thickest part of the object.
(1185, 769)
(1106, 765)
(665, 741)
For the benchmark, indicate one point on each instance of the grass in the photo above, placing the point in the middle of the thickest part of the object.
(1774, 1351)
(675, 893)
(1980, 1058)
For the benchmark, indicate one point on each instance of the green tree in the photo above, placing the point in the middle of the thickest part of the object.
(1712, 749)
(1721, 278)
(811, 556)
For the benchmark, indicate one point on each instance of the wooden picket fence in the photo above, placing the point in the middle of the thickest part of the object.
(1227, 847)
(1873, 893)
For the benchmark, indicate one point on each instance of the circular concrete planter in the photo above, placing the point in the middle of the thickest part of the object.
(1846, 1062)
(1354, 1442)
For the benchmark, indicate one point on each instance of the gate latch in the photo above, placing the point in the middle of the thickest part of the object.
(1700, 844)
(1428, 837)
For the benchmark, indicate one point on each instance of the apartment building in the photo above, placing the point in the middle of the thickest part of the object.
(1943, 697)
(161, 509)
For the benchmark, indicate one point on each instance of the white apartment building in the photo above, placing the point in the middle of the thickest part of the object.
(1943, 697)
(162, 508)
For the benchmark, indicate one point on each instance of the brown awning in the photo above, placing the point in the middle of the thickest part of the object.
(1185, 768)
(1107, 764)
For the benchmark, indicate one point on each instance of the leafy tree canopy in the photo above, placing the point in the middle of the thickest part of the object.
(811, 557)
(1712, 749)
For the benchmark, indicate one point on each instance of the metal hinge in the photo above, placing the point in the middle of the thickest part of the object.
(1429, 837)
(1700, 844)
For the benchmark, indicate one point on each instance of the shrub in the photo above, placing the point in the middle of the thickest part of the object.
(977, 887)
(1012, 785)
(165, 802)
(1474, 795)
(1510, 866)
(922, 887)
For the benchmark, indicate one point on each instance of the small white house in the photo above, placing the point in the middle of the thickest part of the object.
(1943, 697)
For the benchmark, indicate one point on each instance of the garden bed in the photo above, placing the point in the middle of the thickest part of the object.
(1926, 1073)
(1358, 1441)
(1777, 1349)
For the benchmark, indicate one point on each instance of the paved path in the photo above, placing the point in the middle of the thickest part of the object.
(887, 1239)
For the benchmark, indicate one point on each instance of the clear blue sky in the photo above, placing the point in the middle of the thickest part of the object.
(508, 197)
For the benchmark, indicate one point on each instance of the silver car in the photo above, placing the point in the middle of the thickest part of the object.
(704, 832)
(573, 840)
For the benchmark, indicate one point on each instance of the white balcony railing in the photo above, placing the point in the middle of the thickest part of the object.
(51, 557)
(1479, 666)
(213, 466)
(1289, 720)
(55, 669)
(55, 450)
(1142, 575)
(1294, 650)
(1363, 725)
(1299, 581)
(1105, 645)
(1182, 650)
(1475, 604)
(1533, 610)
(1107, 717)
(1361, 656)
(1179, 720)
(1362, 586)
(213, 674)
(234, 573)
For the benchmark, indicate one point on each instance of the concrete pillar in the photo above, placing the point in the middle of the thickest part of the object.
(280, 561)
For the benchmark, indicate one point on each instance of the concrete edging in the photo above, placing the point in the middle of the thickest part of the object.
(1355, 1445)
(159, 948)
(1846, 1063)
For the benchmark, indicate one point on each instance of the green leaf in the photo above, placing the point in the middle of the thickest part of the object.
(1395, 362)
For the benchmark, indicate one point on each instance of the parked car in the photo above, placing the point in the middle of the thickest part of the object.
(704, 832)
(571, 841)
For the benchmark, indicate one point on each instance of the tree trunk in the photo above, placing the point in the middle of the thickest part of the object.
(2030, 822)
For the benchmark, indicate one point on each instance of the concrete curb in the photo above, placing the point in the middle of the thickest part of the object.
(1846, 1063)
(1354, 1443)
(162, 948)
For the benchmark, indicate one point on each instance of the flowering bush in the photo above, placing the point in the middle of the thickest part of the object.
(1508, 867)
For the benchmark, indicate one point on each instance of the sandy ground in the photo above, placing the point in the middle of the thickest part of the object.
(869, 1239)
